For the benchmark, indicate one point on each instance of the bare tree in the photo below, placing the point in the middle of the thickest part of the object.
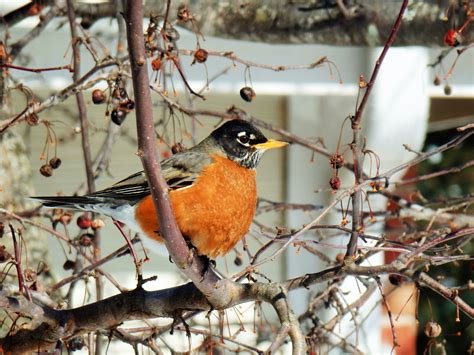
(33, 320)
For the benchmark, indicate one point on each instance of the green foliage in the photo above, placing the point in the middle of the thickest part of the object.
(456, 336)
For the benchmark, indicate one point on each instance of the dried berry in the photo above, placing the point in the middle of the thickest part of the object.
(200, 55)
(437, 80)
(69, 265)
(3, 53)
(448, 90)
(35, 9)
(238, 260)
(127, 105)
(46, 170)
(335, 183)
(171, 35)
(119, 93)
(116, 93)
(156, 64)
(336, 161)
(55, 162)
(432, 329)
(87, 22)
(85, 240)
(83, 222)
(32, 119)
(98, 96)
(183, 13)
(97, 224)
(4, 255)
(177, 148)
(30, 275)
(247, 94)
(340, 257)
(395, 279)
(56, 218)
(66, 218)
(375, 186)
(123, 93)
(75, 344)
(118, 116)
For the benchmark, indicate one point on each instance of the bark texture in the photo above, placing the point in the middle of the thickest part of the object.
(342, 23)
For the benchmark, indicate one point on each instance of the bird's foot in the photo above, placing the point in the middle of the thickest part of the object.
(209, 264)
(178, 318)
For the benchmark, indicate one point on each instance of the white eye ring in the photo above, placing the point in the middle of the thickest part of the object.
(244, 140)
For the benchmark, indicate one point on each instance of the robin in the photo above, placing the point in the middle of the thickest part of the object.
(212, 191)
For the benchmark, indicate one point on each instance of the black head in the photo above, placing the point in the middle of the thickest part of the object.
(243, 143)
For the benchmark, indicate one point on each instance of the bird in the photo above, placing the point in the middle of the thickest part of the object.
(212, 189)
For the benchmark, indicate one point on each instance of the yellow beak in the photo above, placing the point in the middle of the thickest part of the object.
(270, 144)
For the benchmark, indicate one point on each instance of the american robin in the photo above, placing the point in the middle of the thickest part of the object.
(212, 191)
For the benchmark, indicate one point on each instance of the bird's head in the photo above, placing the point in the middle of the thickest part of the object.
(243, 143)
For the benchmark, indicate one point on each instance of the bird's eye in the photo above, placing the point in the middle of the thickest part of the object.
(243, 139)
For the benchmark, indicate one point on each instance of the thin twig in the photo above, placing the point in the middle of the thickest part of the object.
(36, 70)
(378, 63)
(21, 280)
(86, 148)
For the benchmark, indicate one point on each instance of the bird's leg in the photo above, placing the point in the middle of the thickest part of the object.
(138, 263)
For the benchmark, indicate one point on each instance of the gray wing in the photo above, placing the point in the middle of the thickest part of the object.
(180, 170)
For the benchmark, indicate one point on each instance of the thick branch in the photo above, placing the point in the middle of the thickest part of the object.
(362, 23)
(218, 292)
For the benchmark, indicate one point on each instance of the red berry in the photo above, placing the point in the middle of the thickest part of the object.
(335, 183)
(452, 38)
(84, 222)
(32, 119)
(200, 55)
(156, 64)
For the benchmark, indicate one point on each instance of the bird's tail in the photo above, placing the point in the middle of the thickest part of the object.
(85, 203)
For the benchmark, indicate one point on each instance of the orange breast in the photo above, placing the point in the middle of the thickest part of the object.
(214, 213)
